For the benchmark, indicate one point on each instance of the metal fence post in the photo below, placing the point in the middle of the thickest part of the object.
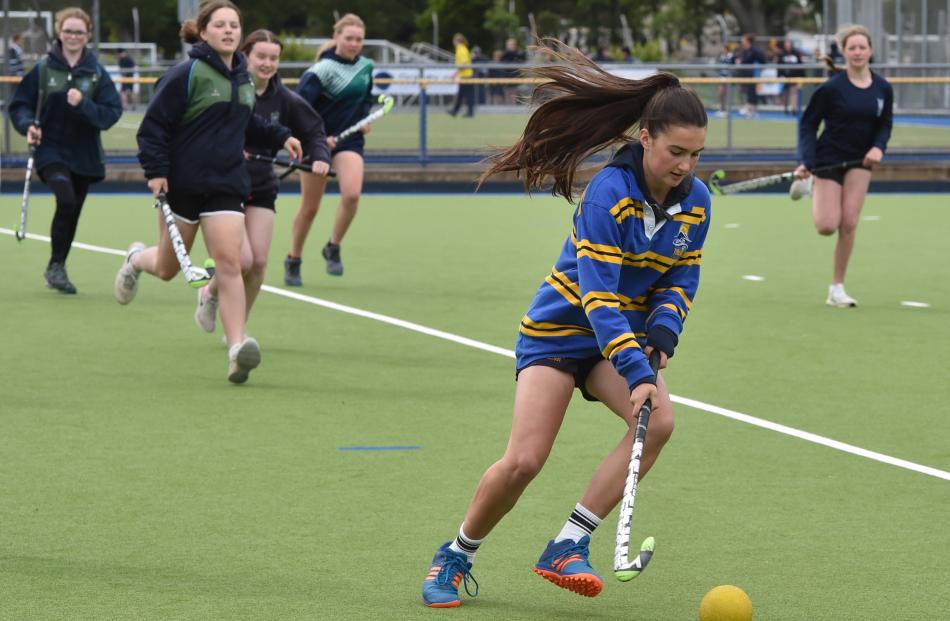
(423, 118)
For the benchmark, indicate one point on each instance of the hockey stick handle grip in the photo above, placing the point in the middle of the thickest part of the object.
(284, 163)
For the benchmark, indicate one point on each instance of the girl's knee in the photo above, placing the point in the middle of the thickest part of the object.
(522, 469)
(661, 428)
(257, 267)
(825, 228)
(167, 272)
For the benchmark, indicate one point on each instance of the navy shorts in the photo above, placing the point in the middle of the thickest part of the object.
(836, 174)
(354, 143)
(580, 368)
(266, 199)
(192, 207)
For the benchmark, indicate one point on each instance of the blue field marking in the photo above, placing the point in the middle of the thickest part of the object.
(396, 447)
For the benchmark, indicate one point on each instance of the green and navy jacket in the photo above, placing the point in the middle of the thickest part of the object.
(70, 133)
(197, 122)
(627, 274)
(340, 91)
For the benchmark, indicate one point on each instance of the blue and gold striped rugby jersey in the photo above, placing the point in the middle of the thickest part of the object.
(622, 271)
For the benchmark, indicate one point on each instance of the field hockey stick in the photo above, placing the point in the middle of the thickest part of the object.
(197, 277)
(21, 229)
(387, 102)
(290, 166)
(762, 182)
(625, 570)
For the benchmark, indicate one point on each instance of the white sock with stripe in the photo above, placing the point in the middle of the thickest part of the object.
(582, 522)
(464, 544)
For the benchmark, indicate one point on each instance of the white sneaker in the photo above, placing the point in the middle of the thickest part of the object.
(207, 309)
(127, 280)
(801, 188)
(242, 359)
(838, 298)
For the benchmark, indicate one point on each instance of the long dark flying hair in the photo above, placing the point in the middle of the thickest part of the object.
(583, 109)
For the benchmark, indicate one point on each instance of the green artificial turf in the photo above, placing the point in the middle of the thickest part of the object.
(137, 483)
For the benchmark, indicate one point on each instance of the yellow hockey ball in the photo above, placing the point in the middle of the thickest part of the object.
(725, 603)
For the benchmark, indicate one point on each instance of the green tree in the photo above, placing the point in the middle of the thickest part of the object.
(501, 23)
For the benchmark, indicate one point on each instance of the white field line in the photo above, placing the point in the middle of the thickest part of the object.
(461, 340)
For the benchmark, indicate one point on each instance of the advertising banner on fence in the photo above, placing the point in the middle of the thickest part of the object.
(415, 75)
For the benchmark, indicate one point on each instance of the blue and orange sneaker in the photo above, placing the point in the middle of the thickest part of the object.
(565, 564)
(449, 568)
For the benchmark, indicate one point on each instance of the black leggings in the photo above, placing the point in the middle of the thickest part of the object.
(70, 190)
(465, 94)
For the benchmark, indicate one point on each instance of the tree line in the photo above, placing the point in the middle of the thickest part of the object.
(669, 26)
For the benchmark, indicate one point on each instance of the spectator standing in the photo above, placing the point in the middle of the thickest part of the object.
(726, 57)
(791, 58)
(130, 99)
(463, 63)
(515, 56)
(15, 55)
(750, 55)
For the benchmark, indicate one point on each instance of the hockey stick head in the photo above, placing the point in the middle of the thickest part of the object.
(388, 102)
(626, 573)
(714, 179)
(197, 277)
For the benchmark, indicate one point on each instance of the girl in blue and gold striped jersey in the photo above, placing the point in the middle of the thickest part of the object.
(338, 86)
(622, 286)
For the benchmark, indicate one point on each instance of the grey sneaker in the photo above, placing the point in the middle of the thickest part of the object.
(292, 271)
(127, 280)
(207, 310)
(242, 359)
(331, 252)
(57, 278)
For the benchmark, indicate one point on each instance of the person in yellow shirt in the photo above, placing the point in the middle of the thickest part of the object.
(463, 60)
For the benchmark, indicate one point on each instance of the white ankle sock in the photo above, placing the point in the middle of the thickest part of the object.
(582, 522)
(464, 544)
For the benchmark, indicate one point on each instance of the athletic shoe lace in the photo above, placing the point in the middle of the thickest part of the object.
(582, 550)
(451, 565)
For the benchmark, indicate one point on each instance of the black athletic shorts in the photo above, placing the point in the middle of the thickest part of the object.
(580, 368)
(354, 143)
(837, 174)
(193, 207)
(266, 199)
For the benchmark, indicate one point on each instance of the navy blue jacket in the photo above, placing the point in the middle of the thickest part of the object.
(279, 104)
(70, 133)
(855, 119)
(197, 123)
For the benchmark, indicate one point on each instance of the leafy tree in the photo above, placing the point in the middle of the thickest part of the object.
(501, 23)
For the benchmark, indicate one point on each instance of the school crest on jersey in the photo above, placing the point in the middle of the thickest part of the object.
(682, 241)
(880, 105)
(275, 117)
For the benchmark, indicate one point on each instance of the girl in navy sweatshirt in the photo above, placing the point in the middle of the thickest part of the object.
(278, 104)
(191, 146)
(856, 108)
(79, 101)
